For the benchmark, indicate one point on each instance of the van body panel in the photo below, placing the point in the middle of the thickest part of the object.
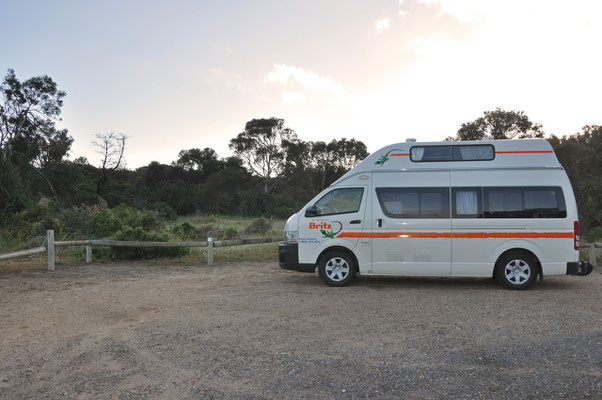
(398, 244)
(476, 257)
(319, 233)
(390, 240)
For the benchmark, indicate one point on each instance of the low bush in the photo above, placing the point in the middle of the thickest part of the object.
(594, 235)
(135, 253)
(162, 210)
(88, 222)
(259, 226)
(188, 231)
(230, 233)
(208, 230)
(185, 231)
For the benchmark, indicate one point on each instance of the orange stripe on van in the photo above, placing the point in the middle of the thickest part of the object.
(512, 235)
(389, 235)
(457, 235)
(399, 154)
(524, 152)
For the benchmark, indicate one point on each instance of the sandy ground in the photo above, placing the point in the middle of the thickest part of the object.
(256, 331)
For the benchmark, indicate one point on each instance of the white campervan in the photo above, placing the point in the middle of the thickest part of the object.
(502, 208)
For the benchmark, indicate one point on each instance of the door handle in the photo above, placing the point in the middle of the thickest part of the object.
(379, 223)
(356, 221)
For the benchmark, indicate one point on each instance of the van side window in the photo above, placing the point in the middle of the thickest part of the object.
(524, 202)
(414, 202)
(544, 203)
(340, 201)
(504, 203)
(467, 202)
(475, 152)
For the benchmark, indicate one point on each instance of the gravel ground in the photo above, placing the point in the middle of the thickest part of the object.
(255, 331)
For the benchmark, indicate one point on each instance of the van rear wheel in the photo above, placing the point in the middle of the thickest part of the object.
(516, 270)
(337, 268)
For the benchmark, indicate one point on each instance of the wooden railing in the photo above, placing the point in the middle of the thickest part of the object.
(51, 245)
(210, 244)
(593, 253)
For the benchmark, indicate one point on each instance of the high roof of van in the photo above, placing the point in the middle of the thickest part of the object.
(472, 154)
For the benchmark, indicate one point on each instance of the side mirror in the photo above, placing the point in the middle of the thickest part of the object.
(311, 211)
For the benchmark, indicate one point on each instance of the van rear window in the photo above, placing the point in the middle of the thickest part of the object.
(477, 152)
(524, 202)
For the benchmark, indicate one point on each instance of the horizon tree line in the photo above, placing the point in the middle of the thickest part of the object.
(272, 171)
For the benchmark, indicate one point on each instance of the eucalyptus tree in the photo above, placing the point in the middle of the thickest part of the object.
(260, 146)
(500, 124)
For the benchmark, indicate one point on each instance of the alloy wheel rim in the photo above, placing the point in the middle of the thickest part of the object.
(337, 269)
(517, 272)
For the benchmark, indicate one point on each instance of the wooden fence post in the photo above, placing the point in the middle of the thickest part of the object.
(593, 255)
(88, 254)
(209, 251)
(50, 246)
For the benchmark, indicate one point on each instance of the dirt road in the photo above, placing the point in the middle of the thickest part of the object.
(256, 331)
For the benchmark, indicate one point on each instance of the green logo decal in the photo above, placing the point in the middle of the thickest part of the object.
(382, 160)
(327, 234)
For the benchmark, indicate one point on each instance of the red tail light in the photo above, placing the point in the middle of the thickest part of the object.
(576, 235)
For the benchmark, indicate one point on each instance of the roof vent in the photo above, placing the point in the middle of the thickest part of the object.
(487, 137)
(410, 140)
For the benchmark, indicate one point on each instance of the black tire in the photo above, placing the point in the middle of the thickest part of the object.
(516, 270)
(337, 268)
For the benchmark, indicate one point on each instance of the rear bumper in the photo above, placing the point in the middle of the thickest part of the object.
(288, 255)
(579, 268)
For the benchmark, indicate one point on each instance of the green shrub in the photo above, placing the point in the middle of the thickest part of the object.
(96, 222)
(33, 221)
(206, 231)
(135, 253)
(185, 231)
(594, 235)
(259, 226)
(230, 233)
(163, 210)
(209, 219)
(284, 212)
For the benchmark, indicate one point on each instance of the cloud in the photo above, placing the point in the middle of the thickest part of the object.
(216, 75)
(307, 79)
(382, 25)
(292, 97)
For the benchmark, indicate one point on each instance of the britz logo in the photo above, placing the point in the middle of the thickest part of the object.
(321, 225)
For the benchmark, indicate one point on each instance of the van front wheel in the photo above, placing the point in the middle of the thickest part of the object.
(516, 270)
(337, 268)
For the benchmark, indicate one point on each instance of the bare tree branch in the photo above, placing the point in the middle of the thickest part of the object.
(56, 197)
(111, 148)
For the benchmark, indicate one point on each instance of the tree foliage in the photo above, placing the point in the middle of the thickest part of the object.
(28, 114)
(29, 140)
(260, 146)
(272, 171)
(581, 156)
(500, 124)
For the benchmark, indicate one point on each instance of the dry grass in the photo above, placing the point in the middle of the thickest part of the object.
(259, 252)
(240, 223)
(75, 255)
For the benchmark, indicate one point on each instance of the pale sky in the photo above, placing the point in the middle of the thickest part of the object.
(175, 75)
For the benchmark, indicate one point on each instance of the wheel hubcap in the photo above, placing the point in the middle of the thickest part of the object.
(337, 269)
(517, 272)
